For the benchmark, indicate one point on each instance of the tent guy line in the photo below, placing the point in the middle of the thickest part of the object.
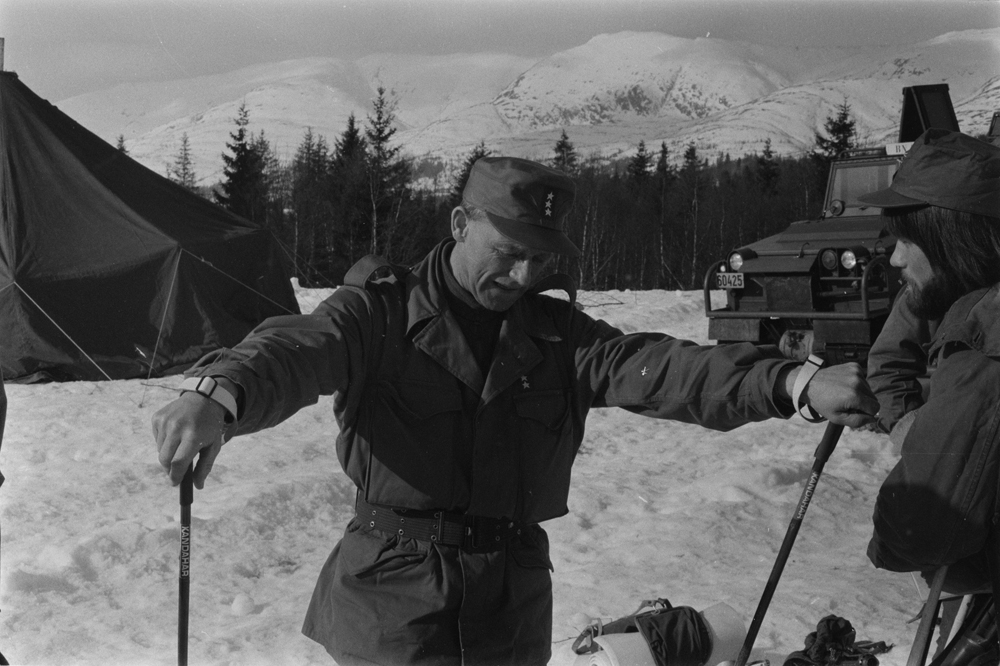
(63, 331)
(163, 318)
(243, 284)
(159, 333)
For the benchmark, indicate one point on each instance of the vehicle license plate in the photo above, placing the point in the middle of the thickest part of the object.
(729, 280)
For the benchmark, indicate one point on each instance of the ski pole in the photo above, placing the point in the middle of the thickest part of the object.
(187, 497)
(823, 451)
(922, 640)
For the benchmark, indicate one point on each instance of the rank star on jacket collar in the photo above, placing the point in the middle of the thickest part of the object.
(548, 203)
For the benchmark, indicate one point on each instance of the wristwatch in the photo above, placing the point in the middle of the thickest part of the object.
(806, 372)
(211, 389)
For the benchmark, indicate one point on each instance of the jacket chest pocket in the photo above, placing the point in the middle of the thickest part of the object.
(546, 448)
(547, 409)
(413, 430)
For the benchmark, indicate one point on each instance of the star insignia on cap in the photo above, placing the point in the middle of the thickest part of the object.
(548, 203)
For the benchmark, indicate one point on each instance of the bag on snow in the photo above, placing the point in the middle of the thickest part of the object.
(833, 644)
(660, 634)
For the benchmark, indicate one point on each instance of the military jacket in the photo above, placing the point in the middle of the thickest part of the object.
(402, 375)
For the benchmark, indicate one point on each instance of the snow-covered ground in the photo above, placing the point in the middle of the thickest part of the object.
(658, 509)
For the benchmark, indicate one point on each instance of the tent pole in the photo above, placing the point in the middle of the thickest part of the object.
(159, 333)
(1, 54)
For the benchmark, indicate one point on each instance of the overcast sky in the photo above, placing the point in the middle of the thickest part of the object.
(64, 47)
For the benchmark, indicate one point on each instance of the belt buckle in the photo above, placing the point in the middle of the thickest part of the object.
(471, 532)
(477, 537)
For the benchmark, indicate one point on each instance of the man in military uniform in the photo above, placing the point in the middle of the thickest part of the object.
(462, 395)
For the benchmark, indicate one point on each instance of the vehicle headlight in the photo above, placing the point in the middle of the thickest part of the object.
(735, 261)
(848, 259)
(829, 259)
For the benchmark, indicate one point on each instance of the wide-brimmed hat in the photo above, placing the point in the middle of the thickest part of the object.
(725, 626)
(945, 169)
(523, 200)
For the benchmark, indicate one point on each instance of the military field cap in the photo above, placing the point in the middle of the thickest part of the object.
(523, 200)
(945, 169)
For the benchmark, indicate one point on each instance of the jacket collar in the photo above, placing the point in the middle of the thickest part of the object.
(974, 321)
(426, 297)
(433, 329)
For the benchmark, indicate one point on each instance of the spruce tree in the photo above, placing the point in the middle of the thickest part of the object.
(310, 206)
(692, 186)
(841, 130)
(182, 171)
(351, 143)
(479, 151)
(639, 165)
(273, 191)
(388, 175)
(841, 136)
(666, 174)
(348, 197)
(767, 169)
(244, 188)
(565, 155)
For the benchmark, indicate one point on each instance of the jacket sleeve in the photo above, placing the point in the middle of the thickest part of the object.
(287, 362)
(896, 362)
(937, 505)
(719, 387)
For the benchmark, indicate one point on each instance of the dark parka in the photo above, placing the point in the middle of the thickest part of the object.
(897, 363)
(422, 428)
(938, 505)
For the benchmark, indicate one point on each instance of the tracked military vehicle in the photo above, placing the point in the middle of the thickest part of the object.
(825, 286)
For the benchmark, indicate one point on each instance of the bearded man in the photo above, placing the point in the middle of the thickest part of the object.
(938, 506)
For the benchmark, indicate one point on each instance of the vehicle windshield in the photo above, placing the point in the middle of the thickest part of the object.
(849, 181)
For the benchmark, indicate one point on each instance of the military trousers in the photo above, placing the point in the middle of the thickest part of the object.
(383, 599)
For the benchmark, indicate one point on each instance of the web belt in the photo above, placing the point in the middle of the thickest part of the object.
(474, 533)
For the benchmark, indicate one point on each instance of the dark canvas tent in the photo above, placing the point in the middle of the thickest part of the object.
(109, 270)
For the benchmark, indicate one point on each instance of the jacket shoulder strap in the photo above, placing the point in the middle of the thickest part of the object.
(364, 275)
(557, 281)
(372, 267)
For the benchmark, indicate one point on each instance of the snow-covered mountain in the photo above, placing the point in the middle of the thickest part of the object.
(607, 94)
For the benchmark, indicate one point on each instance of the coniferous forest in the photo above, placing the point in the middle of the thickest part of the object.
(645, 221)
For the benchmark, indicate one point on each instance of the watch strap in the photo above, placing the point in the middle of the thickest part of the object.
(806, 373)
(213, 390)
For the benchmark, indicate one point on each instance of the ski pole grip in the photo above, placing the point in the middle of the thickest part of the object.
(829, 442)
(187, 486)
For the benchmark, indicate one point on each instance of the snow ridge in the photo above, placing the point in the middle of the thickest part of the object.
(608, 94)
